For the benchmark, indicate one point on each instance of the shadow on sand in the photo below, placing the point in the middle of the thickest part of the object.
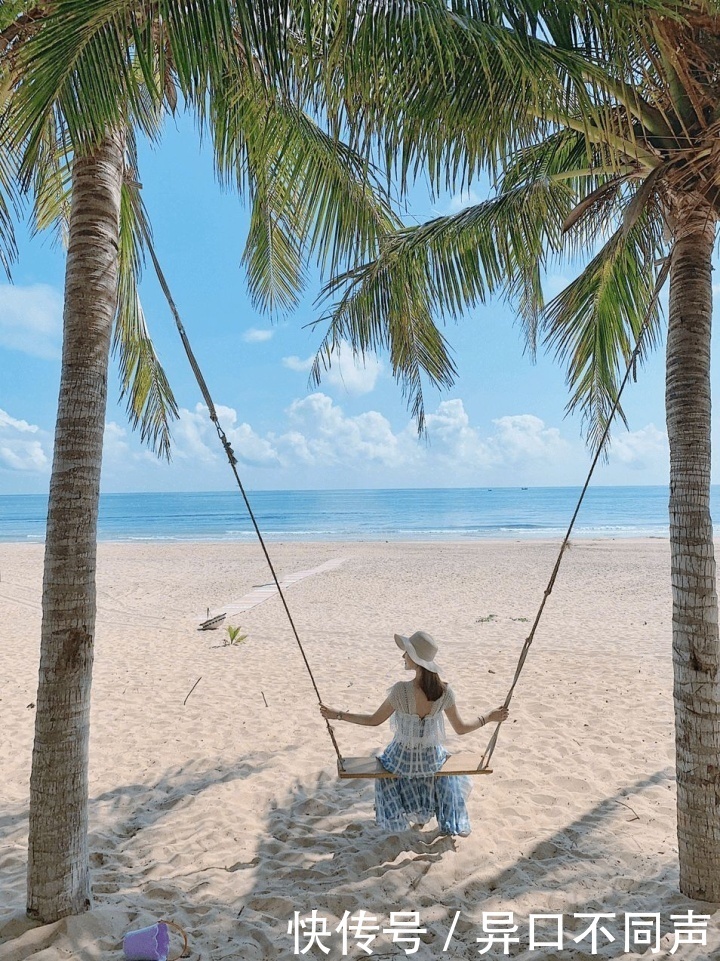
(319, 849)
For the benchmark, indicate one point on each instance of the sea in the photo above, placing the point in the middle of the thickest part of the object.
(510, 513)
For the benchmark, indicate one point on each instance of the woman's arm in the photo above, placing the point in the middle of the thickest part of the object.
(461, 727)
(367, 720)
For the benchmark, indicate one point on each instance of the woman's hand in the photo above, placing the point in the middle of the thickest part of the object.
(330, 714)
(499, 714)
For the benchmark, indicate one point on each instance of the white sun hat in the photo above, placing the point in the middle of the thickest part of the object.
(421, 648)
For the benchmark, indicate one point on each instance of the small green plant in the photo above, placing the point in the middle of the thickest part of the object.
(523, 619)
(234, 636)
(486, 619)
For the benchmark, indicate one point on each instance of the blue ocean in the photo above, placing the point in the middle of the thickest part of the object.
(444, 514)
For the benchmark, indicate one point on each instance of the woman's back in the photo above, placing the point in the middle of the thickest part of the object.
(409, 698)
(418, 723)
(424, 707)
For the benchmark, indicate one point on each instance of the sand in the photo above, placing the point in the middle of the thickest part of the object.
(224, 813)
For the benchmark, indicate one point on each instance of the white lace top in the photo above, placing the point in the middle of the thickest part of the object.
(409, 728)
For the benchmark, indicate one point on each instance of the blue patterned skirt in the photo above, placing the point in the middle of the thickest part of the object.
(415, 796)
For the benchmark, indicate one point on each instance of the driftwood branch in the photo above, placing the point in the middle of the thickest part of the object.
(191, 690)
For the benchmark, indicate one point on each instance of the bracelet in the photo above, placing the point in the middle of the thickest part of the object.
(481, 718)
(340, 716)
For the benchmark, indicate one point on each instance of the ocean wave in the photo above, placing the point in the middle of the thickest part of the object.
(442, 515)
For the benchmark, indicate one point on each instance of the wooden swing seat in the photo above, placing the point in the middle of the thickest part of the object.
(370, 767)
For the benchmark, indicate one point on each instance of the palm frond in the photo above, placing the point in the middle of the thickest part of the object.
(442, 269)
(594, 323)
(497, 247)
(100, 63)
(52, 179)
(151, 405)
(10, 157)
(456, 88)
(313, 197)
(592, 188)
(391, 316)
(273, 256)
(10, 204)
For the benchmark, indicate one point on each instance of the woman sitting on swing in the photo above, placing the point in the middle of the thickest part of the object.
(417, 750)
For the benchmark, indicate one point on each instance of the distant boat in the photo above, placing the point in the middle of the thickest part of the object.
(212, 623)
(523, 488)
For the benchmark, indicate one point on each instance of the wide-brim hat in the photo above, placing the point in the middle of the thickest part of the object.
(421, 648)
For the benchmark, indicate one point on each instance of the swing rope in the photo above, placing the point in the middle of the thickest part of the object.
(631, 367)
(233, 465)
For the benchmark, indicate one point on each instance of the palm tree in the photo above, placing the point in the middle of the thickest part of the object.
(598, 125)
(80, 77)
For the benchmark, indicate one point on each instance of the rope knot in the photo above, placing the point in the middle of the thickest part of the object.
(230, 452)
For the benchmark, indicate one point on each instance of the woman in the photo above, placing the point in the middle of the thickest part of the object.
(417, 749)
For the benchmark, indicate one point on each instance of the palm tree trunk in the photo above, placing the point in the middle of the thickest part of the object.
(696, 648)
(58, 869)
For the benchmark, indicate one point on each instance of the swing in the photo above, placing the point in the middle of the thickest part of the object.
(370, 767)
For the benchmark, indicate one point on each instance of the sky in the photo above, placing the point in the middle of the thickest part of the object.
(503, 424)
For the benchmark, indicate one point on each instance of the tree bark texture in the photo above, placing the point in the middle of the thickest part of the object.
(696, 649)
(58, 868)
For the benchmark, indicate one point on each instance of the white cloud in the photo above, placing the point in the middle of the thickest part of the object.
(293, 448)
(449, 429)
(31, 320)
(462, 200)
(114, 433)
(322, 435)
(321, 441)
(191, 436)
(248, 446)
(29, 456)
(126, 454)
(18, 452)
(319, 444)
(295, 363)
(554, 284)
(521, 438)
(640, 449)
(519, 441)
(347, 371)
(195, 439)
(22, 426)
(116, 444)
(257, 336)
(452, 437)
(354, 374)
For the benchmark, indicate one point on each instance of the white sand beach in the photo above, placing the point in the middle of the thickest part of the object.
(224, 813)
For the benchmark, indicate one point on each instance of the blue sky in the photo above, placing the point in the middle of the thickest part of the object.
(503, 424)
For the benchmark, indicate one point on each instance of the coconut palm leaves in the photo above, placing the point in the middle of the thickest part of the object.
(578, 114)
(455, 87)
(102, 59)
(101, 63)
(150, 402)
(312, 196)
(8, 210)
(504, 247)
(595, 322)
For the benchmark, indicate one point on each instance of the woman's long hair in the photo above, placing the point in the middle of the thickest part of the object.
(432, 686)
